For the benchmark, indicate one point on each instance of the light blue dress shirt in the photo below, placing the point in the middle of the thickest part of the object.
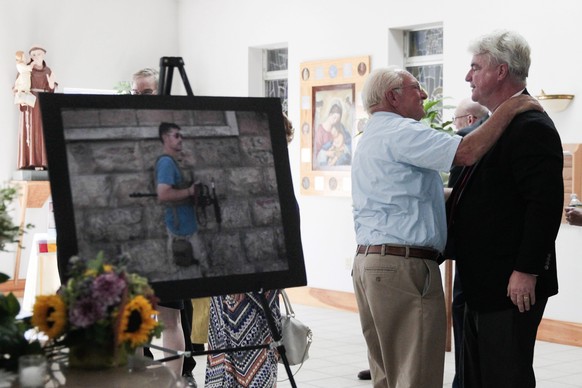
(397, 191)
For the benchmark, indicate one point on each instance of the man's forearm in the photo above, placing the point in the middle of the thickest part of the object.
(167, 193)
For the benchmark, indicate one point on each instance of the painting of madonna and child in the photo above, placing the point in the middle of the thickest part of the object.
(194, 192)
(332, 121)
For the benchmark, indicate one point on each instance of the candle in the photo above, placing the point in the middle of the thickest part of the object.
(32, 376)
(32, 371)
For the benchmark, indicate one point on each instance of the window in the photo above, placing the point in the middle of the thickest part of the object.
(275, 74)
(423, 58)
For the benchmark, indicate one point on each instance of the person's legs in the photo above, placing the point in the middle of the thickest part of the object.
(200, 322)
(469, 368)
(499, 347)
(367, 322)
(172, 336)
(402, 312)
(200, 253)
(458, 313)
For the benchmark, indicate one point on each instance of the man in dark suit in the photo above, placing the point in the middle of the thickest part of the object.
(468, 116)
(504, 215)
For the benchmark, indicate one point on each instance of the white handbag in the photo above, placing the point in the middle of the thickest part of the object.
(296, 336)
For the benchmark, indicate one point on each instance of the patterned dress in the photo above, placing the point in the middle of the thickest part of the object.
(236, 321)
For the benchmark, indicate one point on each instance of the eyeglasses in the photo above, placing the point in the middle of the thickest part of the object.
(415, 85)
(145, 92)
(460, 117)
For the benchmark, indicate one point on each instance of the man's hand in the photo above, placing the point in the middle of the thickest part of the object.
(522, 290)
(574, 215)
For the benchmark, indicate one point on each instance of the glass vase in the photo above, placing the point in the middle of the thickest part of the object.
(94, 356)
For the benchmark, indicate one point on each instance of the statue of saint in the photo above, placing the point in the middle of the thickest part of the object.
(34, 77)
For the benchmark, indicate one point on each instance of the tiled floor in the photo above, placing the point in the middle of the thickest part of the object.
(339, 352)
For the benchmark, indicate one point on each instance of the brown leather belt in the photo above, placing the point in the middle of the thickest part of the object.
(397, 250)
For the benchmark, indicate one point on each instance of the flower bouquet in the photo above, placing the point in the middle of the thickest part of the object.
(101, 313)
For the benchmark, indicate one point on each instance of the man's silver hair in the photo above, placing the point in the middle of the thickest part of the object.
(378, 82)
(503, 46)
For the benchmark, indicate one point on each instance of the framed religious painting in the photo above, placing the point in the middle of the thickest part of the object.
(331, 117)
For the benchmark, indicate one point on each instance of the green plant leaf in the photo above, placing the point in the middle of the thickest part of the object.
(9, 306)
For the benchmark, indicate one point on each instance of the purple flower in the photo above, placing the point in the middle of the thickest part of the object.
(107, 288)
(86, 311)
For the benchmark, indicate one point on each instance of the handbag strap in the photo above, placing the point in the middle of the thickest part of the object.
(288, 309)
(290, 313)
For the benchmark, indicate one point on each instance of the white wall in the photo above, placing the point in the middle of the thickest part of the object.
(96, 44)
(90, 45)
(215, 41)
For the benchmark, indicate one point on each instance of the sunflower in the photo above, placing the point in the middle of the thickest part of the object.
(137, 322)
(49, 314)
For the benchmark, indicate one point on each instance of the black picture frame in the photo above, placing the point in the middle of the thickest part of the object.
(102, 148)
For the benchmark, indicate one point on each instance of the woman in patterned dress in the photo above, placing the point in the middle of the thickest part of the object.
(239, 320)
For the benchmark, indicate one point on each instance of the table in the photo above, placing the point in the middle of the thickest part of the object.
(146, 373)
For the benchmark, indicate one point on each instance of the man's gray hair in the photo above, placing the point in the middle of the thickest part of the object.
(503, 46)
(147, 72)
(378, 82)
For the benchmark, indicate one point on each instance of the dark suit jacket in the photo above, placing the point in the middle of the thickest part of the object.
(456, 170)
(509, 214)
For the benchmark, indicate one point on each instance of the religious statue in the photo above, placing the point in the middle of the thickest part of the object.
(33, 78)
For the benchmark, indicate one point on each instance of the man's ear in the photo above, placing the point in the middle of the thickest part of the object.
(390, 96)
(502, 71)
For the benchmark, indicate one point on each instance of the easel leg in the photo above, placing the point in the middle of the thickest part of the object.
(276, 336)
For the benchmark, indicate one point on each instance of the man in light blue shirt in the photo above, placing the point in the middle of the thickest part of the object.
(400, 223)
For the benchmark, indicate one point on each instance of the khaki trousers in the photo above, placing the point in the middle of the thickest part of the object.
(200, 320)
(402, 312)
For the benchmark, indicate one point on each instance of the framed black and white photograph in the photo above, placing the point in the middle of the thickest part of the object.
(102, 153)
